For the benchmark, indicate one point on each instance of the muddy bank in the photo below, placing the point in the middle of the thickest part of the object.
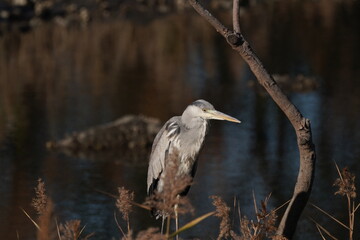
(129, 137)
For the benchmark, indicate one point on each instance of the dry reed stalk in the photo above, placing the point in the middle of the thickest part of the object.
(191, 224)
(322, 230)
(128, 236)
(46, 224)
(163, 202)
(346, 185)
(265, 225)
(267, 219)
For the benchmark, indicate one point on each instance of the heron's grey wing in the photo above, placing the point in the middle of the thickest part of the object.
(162, 143)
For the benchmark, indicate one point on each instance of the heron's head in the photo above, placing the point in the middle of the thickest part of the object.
(204, 110)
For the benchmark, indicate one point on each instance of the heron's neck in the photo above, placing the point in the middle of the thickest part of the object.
(192, 139)
(191, 122)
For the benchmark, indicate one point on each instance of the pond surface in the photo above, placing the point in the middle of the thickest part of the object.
(55, 81)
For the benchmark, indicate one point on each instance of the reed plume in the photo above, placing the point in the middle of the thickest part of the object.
(222, 212)
(346, 183)
(124, 204)
(44, 207)
(40, 201)
(163, 202)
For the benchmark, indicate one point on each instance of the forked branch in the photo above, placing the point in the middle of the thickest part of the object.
(301, 125)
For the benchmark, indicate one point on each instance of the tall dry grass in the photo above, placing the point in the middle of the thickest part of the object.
(48, 227)
(346, 188)
(162, 203)
(46, 223)
(124, 204)
(262, 227)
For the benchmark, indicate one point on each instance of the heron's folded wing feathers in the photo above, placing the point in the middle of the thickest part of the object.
(161, 145)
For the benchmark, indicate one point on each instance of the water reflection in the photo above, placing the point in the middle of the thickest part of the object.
(54, 81)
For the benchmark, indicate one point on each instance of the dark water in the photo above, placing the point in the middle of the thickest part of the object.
(55, 81)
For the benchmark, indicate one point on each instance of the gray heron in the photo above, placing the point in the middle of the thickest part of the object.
(184, 135)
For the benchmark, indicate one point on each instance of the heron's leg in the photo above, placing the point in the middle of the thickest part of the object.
(176, 220)
(168, 226)
(177, 216)
(162, 223)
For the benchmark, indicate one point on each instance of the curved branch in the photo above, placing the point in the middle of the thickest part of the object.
(300, 124)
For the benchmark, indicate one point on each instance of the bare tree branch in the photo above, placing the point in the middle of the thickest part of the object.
(300, 124)
(210, 18)
(236, 16)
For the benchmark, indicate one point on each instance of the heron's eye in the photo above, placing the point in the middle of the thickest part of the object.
(204, 110)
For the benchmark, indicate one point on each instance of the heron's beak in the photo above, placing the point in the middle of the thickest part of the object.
(221, 116)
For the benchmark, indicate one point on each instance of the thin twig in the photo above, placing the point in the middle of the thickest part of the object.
(320, 231)
(143, 206)
(118, 225)
(239, 212)
(234, 208)
(82, 229)
(339, 172)
(128, 225)
(192, 223)
(36, 225)
(236, 16)
(350, 217)
(330, 216)
(256, 213)
(106, 193)
(282, 205)
(210, 18)
(356, 208)
(168, 226)
(57, 229)
(255, 207)
(323, 229)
